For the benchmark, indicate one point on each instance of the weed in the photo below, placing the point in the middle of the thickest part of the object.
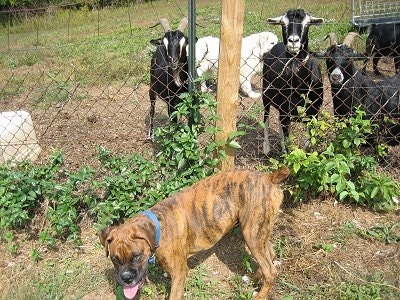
(242, 289)
(35, 255)
(281, 246)
(326, 247)
(247, 261)
(383, 233)
(11, 246)
(344, 233)
(198, 286)
(355, 291)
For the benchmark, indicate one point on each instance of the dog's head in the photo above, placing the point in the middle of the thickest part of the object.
(129, 247)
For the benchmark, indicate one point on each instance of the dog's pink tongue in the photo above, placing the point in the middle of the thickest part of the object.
(130, 291)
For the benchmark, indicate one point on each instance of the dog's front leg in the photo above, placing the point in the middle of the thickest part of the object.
(178, 278)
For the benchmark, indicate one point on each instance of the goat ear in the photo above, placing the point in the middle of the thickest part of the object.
(316, 21)
(156, 42)
(275, 21)
(358, 56)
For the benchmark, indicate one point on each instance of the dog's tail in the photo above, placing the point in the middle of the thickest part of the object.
(280, 175)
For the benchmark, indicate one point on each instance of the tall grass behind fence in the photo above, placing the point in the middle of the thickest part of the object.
(83, 74)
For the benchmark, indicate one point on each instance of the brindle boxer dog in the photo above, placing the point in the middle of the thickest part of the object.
(193, 220)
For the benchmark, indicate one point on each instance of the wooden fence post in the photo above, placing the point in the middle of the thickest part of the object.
(232, 16)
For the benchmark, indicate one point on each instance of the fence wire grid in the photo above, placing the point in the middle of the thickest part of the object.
(72, 87)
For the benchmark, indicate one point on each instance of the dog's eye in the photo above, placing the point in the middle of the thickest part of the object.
(137, 256)
(115, 260)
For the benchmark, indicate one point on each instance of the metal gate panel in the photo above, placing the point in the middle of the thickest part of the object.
(366, 12)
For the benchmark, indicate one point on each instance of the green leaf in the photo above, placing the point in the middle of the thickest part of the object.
(374, 192)
(343, 195)
(234, 145)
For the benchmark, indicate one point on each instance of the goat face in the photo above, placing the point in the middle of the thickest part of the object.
(339, 63)
(174, 44)
(295, 24)
(340, 59)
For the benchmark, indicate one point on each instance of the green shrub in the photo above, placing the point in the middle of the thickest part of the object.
(336, 164)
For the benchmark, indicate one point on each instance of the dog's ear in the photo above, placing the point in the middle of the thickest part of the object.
(280, 175)
(106, 238)
(145, 231)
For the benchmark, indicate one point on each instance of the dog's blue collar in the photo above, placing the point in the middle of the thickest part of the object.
(156, 223)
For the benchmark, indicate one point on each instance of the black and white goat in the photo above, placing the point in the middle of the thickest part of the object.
(350, 89)
(291, 76)
(168, 69)
(383, 40)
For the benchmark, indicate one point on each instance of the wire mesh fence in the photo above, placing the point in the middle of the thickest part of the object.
(88, 86)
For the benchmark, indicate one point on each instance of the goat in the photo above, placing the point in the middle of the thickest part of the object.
(350, 89)
(383, 40)
(168, 69)
(291, 76)
(253, 48)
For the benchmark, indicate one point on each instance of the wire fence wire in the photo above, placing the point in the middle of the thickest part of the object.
(52, 99)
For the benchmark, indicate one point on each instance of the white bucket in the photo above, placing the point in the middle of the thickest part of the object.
(17, 137)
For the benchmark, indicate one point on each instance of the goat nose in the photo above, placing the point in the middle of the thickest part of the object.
(127, 276)
(294, 39)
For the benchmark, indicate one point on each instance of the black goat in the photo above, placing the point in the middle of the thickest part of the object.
(351, 89)
(291, 76)
(168, 69)
(383, 40)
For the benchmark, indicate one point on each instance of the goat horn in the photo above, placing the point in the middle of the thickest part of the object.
(183, 24)
(348, 39)
(165, 24)
(332, 38)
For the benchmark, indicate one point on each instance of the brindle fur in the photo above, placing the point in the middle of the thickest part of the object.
(196, 219)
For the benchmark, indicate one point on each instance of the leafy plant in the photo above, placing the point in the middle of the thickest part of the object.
(338, 165)
(134, 183)
(21, 190)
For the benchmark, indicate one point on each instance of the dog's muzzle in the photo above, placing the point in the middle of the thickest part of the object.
(130, 282)
(131, 290)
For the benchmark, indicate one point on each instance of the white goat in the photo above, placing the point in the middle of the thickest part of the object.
(253, 48)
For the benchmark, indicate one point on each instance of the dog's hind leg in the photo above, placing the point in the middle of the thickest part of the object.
(263, 254)
(258, 274)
